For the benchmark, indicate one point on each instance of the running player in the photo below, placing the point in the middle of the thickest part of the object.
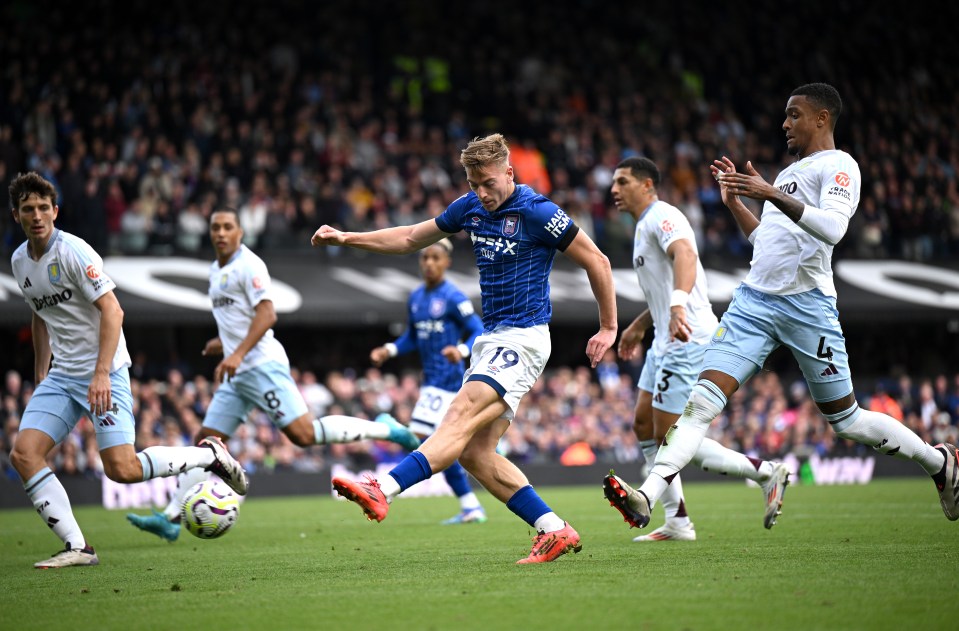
(78, 323)
(666, 260)
(789, 299)
(255, 371)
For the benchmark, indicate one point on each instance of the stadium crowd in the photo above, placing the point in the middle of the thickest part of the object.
(300, 115)
(572, 416)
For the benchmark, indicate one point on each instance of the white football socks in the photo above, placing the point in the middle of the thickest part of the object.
(712, 456)
(51, 502)
(162, 462)
(347, 429)
(672, 498)
(550, 522)
(887, 435)
(683, 439)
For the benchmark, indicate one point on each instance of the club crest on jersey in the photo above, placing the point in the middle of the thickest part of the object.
(53, 271)
(437, 307)
(720, 334)
(510, 225)
(223, 281)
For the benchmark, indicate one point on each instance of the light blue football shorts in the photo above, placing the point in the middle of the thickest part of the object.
(807, 324)
(268, 386)
(670, 377)
(60, 401)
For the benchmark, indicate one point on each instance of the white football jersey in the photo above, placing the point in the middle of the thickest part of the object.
(787, 259)
(61, 288)
(660, 225)
(235, 291)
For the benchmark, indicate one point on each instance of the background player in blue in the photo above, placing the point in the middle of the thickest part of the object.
(789, 299)
(442, 327)
(78, 324)
(515, 234)
(255, 370)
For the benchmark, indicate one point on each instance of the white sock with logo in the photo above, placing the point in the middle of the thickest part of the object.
(52, 504)
(162, 462)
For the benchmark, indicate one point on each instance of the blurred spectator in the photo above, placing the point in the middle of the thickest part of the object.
(295, 131)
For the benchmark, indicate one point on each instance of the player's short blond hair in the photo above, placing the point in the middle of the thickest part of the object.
(483, 152)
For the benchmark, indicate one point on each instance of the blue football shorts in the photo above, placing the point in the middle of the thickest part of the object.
(60, 401)
(670, 377)
(807, 324)
(268, 386)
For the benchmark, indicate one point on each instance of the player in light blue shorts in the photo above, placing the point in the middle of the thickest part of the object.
(789, 299)
(80, 370)
(255, 370)
(669, 378)
(60, 401)
(757, 323)
(667, 266)
(268, 387)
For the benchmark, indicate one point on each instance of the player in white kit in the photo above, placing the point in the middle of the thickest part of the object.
(77, 323)
(666, 260)
(255, 370)
(789, 299)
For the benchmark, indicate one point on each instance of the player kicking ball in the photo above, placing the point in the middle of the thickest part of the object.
(515, 233)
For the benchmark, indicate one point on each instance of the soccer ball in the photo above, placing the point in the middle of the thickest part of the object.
(209, 509)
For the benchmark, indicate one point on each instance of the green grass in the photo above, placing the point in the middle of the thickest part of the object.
(880, 556)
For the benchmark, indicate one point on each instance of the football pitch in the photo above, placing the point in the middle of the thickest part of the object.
(880, 556)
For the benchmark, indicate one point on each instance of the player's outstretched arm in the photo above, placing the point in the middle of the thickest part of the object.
(396, 240)
(585, 253)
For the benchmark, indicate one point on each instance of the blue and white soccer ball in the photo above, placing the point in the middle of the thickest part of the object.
(209, 509)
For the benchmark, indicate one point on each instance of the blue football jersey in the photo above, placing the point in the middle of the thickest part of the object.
(439, 317)
(514, 248)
